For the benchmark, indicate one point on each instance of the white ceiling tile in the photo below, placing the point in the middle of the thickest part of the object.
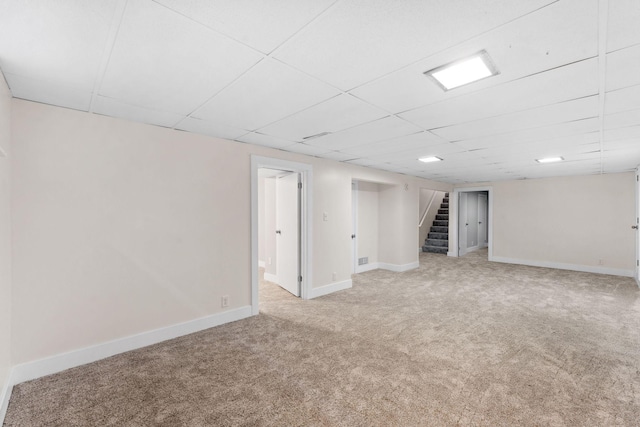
(60, 42)
(48, 93)
(529, 119)
(578, 127)
(364, 162)
(627, 132)
(408, 142)
(441, 150)
(622, 100)
(558, 85)
(623, 29)
(115, 108)
(204, 127)
(551, 37)
(377, 130)
(283, 89)
(264, 140)
(163, 60)
(622, 119)
(263, 25)
(333, 115)
(359, 40)
(337, 155)
(303, 148)
(622, 68)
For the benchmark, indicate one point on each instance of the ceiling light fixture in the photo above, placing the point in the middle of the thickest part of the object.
(430, 159)
(463, 71)
(550, 160)
(317, 135)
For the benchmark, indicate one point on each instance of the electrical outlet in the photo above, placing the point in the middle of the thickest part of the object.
(600, 262)
(225, 301)
(269, 260)
(334, 276)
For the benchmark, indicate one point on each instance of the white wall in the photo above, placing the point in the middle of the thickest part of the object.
(368, 224)
(121, 228)
(5, 237)
(577, 221)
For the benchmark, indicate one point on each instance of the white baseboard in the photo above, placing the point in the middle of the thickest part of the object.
(271, 278)
(450, 253)
(330, 288)
(563, 266)
(367, 267)
(399, 268)
(262, 264)
(60, 362)
(5, 396)
(637, 282)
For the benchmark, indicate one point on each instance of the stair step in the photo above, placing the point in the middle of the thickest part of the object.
(440, 223)
(444, 206)
(437, 242)
(443, 211)
(442, 236)
(434, 249)
(442, 217)
(445, 200)
(438, 229)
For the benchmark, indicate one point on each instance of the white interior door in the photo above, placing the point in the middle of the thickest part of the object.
(462, 224)
(482, 220)
(288, 232)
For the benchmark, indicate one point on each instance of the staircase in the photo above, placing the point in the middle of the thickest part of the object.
(438, 238)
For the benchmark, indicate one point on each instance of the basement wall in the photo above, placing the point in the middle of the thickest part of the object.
(576, 222)
(5, 240)
(121, 228)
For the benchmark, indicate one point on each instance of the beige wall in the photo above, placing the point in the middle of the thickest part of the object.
(368, 224)
(120, 228)
(578, 220)
(5, 233)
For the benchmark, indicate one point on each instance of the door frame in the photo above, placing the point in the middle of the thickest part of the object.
(637, 267)
(453, 219)
(306, 219)
(354, 226)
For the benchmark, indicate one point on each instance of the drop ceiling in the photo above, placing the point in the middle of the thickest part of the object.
(344, 79)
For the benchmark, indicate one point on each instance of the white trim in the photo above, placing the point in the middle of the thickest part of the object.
(330, 288)
(367, 267)
(306, 174)
(399, 268)
(563, 266)
(453, 218)
(5, 396)
(262, 264)
(60, 362)
(271, 278)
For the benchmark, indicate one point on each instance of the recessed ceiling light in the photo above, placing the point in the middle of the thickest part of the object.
(430, 159)
(550, 160)
(463, 71)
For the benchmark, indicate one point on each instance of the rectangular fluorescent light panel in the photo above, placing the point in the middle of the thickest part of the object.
(463, 71)
(550, 160)
(430, 159)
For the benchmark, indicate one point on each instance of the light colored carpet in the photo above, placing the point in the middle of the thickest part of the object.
(455, 342)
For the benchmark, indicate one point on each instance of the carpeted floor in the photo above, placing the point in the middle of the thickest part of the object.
(455, 342)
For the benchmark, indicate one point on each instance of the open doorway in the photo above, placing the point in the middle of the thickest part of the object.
(471, 221)
(279, 228)
(280, 232)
